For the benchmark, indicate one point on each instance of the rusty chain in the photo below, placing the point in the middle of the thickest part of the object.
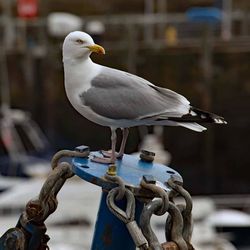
(118, 180)
(39, 209)
(151, 208)
(178, 223)
(81, 151)
(185, 209)
(128, 216)
(13, 239)
(29, 233)
(176, 227)
(159, 192)
(160, 207)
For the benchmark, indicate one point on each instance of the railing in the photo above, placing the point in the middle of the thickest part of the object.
(147, 31)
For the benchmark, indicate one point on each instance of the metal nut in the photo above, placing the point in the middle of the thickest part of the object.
(147, 156)
(82, 149)
(150, 179)
(111, 170)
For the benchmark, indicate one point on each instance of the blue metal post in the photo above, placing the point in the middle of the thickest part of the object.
(110, 232)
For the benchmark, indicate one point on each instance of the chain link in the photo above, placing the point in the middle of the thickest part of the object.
(121, 185)
(38, 210)
(169, 246)
(125, 216)
(151, 208)
(178, 228)
(186, 210)
(159, 193)
(174, 227)
(31, 222)
(128, 216)
(13, 239)
(79, 152)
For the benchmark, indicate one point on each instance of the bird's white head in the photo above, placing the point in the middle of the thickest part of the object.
(79, 45)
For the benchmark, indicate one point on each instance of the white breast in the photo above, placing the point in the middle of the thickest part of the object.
(77, 80)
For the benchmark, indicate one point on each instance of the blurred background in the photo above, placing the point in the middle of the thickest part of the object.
(199, 48)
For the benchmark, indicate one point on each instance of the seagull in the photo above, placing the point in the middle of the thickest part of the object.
(120, 100)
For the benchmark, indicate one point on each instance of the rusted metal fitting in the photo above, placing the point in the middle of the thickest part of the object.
(149, 179)
(173, 246)
(147, 156)
(169, 246)
(175, 179)
(13, 239)
(111, 170)
(82, 149)
(33, 209)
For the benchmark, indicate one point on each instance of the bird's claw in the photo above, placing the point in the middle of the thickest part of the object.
(104, 160)
(108, 154)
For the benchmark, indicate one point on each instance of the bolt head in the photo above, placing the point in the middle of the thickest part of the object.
(111, 170)
(150, 179)
(147, 156)
(82, 149)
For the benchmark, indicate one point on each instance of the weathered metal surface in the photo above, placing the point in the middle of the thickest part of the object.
(110, 232)
(173, 246)
(130, 168)
(13, 239)
(127, 215)
(29, 233)
(145, 218)
(169, 246)
(147, 156)
(128, 194)
(185, 209)
(35, 237)
(81, 151)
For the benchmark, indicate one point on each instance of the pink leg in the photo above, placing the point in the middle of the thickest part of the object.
(112, 158)
(125, 133)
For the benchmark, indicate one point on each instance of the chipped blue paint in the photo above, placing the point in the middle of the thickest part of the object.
(110, 233)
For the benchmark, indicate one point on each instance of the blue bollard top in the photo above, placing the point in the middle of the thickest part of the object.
(130, 168)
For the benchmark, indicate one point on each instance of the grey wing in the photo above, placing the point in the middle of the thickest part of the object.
(119, 95)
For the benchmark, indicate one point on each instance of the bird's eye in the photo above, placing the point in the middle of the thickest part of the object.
(79, 41)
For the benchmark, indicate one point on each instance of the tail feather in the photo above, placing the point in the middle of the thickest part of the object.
(200, 116)
(193, 126)
(210, 117)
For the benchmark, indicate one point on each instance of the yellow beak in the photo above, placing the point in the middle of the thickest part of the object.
(97, 49)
